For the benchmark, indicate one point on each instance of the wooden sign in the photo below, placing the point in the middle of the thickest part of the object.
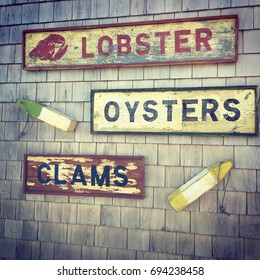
(219, 110)
(178, 41)
(111, 176)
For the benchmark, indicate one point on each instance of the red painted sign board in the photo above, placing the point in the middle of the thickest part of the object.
(84, 175)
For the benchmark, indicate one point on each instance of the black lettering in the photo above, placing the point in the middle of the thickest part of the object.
(132, 110)
(56, 176)
(231, 109)
(39, 173)
(186, 110)
(119, 172)
(168, 104)
(106, 111)
(78, 172)
(104, 176)
(150, 110)
(211, 111)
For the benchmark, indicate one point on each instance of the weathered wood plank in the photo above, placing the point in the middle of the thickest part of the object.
(216, 110)
(178, 41)
(115, 176)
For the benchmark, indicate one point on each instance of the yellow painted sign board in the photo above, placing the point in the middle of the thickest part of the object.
(179, 41)
(219, 110)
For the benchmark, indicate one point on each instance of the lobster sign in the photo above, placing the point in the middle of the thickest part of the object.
(179, 41)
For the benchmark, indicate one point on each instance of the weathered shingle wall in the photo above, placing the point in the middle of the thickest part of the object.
(61, 227)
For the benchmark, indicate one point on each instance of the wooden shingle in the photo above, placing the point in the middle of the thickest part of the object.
(111, 237)
(80, 234)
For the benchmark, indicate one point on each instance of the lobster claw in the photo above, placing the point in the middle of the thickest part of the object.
(60, 52)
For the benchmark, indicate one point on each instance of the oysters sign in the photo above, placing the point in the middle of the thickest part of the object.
(179, 41)
(90, 175)
(216, 110)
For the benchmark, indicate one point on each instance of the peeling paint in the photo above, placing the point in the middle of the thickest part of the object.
(85, 175)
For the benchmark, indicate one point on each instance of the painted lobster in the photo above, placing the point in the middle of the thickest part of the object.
(51, 48)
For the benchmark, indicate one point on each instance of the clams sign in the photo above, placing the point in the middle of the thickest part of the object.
(114, 176)
(179, 41)
(219, 110)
